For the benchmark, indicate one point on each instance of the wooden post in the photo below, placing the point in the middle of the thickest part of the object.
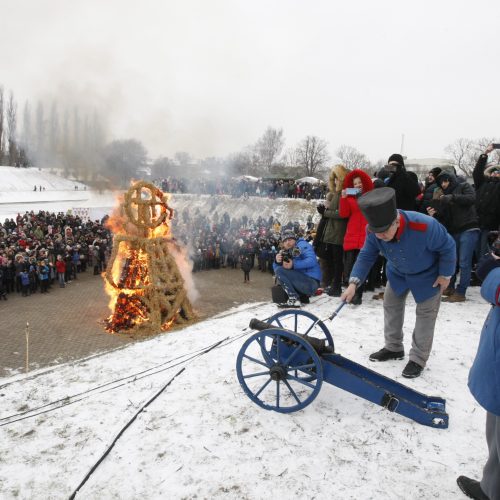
(27, 331)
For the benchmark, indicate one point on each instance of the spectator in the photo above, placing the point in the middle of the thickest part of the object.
(487, 184)
(455, 209)
(484, 384)
(329, 239)
(356, 224)
(429, 187)
(296, 269)
(404, 183)
(61, 270)
(421, 258)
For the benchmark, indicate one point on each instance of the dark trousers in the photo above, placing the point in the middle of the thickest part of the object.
(350, 257)
(490, 483)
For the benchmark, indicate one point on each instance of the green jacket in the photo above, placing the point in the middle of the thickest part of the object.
(335, 226)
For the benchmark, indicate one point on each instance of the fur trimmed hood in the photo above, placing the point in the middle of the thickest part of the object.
(338, 172)
(365, 179)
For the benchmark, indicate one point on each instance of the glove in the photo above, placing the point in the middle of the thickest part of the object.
(321, 209)
(446, 198)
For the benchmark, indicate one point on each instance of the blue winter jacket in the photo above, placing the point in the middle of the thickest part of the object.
(484, 376)
(306, 262)
(421, 251)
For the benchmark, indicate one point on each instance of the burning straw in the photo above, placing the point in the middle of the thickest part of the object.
(146, 288)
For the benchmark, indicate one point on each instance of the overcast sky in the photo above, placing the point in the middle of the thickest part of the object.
(208, 76)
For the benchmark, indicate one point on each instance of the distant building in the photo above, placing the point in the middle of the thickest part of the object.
(421, 166)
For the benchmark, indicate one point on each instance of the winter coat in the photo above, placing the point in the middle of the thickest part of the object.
(246, 263)
(427, 197)
(422, 251)
(348, 208)
(306, 262)
(60, 266)
(406, 186)
(484, 376)
(335, 225)
(458, 214)
(487, 196)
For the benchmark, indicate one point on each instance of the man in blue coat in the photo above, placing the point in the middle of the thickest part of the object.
(484, 384)
(296, 268)
(421, 258)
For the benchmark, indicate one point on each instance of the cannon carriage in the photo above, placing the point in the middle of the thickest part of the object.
(283, 365)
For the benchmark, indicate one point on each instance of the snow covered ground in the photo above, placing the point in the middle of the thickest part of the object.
(202, 437)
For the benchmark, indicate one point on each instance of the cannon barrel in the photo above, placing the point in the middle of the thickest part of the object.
(319, 345)
(257, 324)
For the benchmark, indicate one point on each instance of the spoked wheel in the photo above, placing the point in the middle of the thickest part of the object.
(279, 370)
(302, 322)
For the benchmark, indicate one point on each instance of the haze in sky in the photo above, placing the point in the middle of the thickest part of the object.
(208, 77)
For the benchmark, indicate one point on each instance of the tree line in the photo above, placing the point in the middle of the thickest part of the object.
(75, 141)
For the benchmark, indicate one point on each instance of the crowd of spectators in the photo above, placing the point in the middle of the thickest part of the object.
(38, 249)
(244, 186)
(224, 242)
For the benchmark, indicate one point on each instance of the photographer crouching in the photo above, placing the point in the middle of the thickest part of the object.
(297, 270)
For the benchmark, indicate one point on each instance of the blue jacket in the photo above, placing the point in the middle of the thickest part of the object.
(306, 262)
(421, 251)
(484, 376)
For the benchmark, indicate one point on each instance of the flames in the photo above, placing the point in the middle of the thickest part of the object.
(142, 279)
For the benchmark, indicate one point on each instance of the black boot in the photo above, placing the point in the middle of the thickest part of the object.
(471, 488)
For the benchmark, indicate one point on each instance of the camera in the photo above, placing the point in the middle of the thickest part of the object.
(288, 255)
(352, 191)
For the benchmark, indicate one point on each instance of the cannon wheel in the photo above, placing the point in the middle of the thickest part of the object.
(286, 382)
(302, 322)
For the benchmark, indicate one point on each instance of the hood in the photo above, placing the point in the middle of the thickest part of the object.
(338, 172)
(446, 175)
(365, 179)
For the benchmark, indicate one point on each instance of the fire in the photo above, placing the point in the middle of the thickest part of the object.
(142, 279)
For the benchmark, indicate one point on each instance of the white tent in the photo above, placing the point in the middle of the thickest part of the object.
(249, 178)
(310, 180)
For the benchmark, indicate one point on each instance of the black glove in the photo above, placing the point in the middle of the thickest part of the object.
(321, 209)
(446, 198)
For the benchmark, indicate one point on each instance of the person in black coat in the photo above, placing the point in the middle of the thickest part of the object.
(454, 207)
(487, 184)
(429, 188)
(403, 182)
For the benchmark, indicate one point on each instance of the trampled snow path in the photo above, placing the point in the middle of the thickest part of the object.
(203, 437)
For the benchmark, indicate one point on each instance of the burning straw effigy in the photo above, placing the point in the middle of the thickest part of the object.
(143, 279)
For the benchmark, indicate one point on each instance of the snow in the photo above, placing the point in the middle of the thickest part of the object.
(204, 438)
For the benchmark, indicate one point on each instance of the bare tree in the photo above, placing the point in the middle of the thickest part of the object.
(312, 154)
(465, 152)
(54, 131)
(268, 148)
(27, 138)
(352, 158)
(183, 158)
(2, 105)
(12, 127)
(40, 132)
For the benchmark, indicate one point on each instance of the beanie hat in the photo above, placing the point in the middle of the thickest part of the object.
(435, 171)
(288, 234)
(397, 158)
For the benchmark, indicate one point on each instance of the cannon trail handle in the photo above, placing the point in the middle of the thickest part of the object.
(334, 313)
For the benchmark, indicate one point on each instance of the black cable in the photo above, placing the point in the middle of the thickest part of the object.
(127, 425)
(67, 400)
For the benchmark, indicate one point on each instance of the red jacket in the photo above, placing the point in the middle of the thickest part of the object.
(356, 225)
(60, 266)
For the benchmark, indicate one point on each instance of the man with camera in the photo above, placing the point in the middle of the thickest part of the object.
(296, 269)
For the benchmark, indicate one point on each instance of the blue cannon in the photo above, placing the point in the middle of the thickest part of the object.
(283, 365)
